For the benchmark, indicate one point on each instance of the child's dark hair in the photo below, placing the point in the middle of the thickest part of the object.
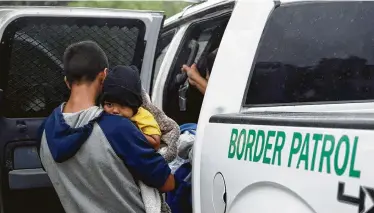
(123, 86)
(83, 61)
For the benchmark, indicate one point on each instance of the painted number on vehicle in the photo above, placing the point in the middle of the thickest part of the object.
(308, 151)
(364, 201)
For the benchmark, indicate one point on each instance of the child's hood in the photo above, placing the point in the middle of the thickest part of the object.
(66, 132)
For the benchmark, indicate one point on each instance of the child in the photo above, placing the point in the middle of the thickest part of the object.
(122, 96)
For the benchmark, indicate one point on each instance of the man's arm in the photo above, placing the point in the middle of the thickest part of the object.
(142, 160)
(195, 78)
(201, 84)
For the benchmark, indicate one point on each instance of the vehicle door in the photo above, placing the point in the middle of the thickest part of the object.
(33, 41)
(289, 128)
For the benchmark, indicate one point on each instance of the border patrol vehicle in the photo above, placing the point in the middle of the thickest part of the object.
(286, 121)
(285, 124)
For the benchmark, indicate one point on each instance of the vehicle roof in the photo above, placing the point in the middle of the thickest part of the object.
(193, 9)
(62, 9)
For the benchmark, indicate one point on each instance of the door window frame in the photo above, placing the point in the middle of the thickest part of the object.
(162, 50)
(363, 106)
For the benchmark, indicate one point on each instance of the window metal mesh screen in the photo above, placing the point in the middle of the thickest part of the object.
(35, 77)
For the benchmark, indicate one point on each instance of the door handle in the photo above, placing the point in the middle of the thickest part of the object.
(21, 126)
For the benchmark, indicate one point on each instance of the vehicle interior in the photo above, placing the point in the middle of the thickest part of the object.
(181, 101)
(32, 85)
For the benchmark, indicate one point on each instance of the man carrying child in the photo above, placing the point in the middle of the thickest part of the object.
(94, 158)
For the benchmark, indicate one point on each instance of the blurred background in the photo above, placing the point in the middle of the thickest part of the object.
(169, 7)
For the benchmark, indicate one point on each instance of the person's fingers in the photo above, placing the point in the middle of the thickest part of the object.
(184, 68)
(192, 82)
(193, 66)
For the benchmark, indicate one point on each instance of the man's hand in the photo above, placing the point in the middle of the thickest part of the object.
(194, 78)
(169, 184)
(192, 73)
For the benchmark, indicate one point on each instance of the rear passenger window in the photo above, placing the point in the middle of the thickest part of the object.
(32, 49)
(315, 52)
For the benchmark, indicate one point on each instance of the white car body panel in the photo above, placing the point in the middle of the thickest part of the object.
(231, 67)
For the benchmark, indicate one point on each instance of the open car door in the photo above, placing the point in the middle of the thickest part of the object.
(33, 41)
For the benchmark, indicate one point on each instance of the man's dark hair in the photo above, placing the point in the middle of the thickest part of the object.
(83, 61)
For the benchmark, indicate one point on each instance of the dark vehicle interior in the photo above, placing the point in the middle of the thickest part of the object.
(181, 101)
(32, 85)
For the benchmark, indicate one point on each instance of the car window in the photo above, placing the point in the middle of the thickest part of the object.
(315, 52)
(162, 48)
(32, 77)
(159, 60)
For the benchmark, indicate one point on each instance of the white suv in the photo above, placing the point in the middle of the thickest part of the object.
(285, 124)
